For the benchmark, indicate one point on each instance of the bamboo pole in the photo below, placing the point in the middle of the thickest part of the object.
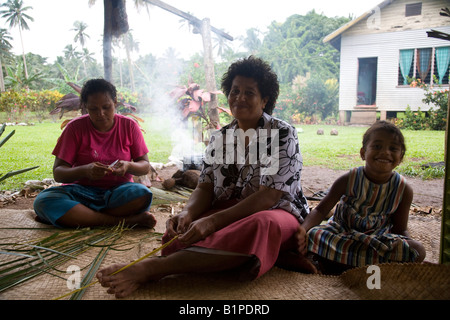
(444, 256)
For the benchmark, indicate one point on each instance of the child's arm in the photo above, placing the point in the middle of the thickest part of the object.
(400, 217)
(318, 214)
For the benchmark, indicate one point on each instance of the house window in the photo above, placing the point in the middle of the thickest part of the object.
(430, 65)
(413, 9)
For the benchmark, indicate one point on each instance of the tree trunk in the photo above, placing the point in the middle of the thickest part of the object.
(107, 40)
(23, 55)
(210, 76)
(130, 66)
(2, 79)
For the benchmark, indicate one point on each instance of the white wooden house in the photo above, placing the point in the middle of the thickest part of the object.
(384, 48)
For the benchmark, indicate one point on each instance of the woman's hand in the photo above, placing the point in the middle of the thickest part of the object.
(120, 168)
(96, 170)
(178, 224)
(300, 235)
(198, 230)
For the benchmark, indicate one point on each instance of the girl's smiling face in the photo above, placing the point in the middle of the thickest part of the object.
(383, 153)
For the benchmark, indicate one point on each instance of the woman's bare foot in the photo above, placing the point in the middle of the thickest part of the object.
(127, 281)
(143, 219)
(295, 261)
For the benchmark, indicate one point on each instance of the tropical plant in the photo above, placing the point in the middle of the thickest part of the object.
(71, 102)
(2, 142)
(319, 97)
(437, 99)
(5, 47)
(70, 52)
(16, 16)
(18, 78)
(296, 46)
(436, 117)
(192, 102)
(220, 44)
(252, 42)
(130, 45)
(80, 35)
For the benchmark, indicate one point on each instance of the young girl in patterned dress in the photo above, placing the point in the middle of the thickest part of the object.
(369, 225)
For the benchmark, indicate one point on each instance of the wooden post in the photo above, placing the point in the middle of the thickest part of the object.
(186, 16)
(210, 76)
(445, 223)
(205, 30)
(107, 40)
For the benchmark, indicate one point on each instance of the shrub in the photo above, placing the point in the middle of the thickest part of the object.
(18, 105)
(436, 117)
(414, 120)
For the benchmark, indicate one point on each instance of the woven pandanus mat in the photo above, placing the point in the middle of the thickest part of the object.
(398, 281)
(277, 284)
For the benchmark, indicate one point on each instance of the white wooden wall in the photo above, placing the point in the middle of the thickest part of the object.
(386, 44)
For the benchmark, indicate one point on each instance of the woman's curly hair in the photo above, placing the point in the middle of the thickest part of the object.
(97, 85)
(261, 72)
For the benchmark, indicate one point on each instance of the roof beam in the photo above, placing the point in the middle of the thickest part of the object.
(197, 22)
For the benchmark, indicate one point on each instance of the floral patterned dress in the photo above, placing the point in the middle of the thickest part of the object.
(237, 170)
(272, 158)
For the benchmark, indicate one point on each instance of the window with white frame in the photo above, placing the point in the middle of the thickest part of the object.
(430, 65)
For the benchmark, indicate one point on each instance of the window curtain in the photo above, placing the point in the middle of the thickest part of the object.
(423, 62)
(406, 58)
(442, 61)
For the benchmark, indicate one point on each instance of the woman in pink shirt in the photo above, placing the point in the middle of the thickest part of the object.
(96, 190)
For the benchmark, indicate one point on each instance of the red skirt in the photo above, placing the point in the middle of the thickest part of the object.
(261, 235)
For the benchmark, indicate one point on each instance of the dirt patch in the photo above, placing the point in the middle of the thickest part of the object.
(428, 194)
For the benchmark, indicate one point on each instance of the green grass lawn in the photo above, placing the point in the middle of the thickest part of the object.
(342, 151)
(32, 145)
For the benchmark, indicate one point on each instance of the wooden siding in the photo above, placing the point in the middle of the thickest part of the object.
(386, 47)
(392, 18)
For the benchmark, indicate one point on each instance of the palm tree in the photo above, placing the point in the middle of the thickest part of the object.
(5, 47)
(16, 16)
(115, 24)
(130, 45)
(252, 42)
(86, 57)
(221, 44)
(80, 36)
(70, 52)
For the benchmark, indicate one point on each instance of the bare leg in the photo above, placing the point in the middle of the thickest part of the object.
(419, 248)
(131, 214)
(127, 281)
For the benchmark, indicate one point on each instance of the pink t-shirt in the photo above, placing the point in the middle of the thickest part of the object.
(80, 143)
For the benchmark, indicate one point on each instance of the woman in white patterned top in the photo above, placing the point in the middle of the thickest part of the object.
(248, 203)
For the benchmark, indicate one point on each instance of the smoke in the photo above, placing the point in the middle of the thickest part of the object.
(166, 117)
